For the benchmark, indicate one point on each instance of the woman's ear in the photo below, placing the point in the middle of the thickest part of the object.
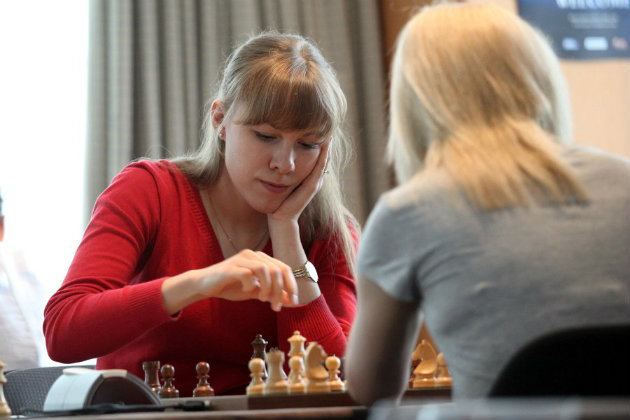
(217, 112)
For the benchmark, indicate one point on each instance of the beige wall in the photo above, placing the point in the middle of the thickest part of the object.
(600, 100)
(600, 90)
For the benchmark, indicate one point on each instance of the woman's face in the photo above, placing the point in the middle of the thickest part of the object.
(266, 164)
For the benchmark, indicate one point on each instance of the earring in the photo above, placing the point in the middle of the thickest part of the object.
(222, 134)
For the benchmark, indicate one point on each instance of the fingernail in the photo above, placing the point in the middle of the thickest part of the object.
(294, 298)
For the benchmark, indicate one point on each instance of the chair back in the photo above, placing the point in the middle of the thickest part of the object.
(592, 361)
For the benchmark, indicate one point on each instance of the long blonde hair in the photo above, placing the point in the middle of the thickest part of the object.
(478, 92)
(283, 80)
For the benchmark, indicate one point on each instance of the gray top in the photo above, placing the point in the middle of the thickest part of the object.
(490, 282)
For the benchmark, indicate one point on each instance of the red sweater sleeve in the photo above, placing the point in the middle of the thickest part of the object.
(98, 309)
(328, 318)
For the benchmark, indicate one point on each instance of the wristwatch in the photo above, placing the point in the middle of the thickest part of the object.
(306, 270)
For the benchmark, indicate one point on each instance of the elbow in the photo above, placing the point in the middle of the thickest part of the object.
(366, 388)
(368, 394)
(58, 347)
(56, 350)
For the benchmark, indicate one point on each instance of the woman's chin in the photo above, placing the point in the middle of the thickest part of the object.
(269, 207)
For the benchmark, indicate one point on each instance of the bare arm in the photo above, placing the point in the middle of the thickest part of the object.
(380, 345)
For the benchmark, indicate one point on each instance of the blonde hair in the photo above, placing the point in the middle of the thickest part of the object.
(478, 92)
(283, 80)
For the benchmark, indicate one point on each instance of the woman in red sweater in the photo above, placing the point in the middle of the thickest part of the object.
(187, 260)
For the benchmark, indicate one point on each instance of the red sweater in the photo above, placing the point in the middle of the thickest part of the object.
(150, 224)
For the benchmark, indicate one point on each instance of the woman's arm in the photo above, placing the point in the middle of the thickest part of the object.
(328, 318)
(97, 309)
(380, 345)
(104, 304)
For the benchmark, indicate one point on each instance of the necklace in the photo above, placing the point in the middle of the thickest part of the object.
(216, 215)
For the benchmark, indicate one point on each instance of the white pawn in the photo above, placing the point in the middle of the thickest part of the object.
(276, 381)
(316, 373)
(5, 410)
(442, 375)
(332, 364)
(296, 375)
(297, 345)
(257, 369)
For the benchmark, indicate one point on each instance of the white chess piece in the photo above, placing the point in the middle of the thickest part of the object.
(424, 373)
(296, 375)
(297, 345)
(316, 373)
(5, 410)
(257, 369)
(442, 375)
(332, 364)
(276, 381)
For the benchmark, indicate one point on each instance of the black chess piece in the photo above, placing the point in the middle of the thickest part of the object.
(203, 388)
(260, 348)
(151, 374)
(168, 390)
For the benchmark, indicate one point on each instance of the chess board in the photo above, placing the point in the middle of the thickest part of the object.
(269, 402)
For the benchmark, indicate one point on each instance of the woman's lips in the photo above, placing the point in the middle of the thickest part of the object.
(274, 188)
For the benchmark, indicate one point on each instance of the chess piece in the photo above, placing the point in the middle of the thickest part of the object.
(424, 373)
(414, 365)
(296, 375)
(276, 382)
(442, 375)
(316, 374)
(332, 364)
(151, 374)
(203, 388)
(296, 341)
(5, 410)
(260, 349)
(257, 368)
(168, 390)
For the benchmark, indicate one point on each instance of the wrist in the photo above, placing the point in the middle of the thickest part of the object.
(282, 226)
(180, 291)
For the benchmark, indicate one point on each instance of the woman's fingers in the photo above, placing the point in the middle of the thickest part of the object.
(273, 278)
(286, 281)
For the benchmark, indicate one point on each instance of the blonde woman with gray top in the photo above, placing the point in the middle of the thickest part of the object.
(501, 231)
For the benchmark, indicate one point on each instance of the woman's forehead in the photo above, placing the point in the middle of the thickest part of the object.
(308, 132)
(283, 120)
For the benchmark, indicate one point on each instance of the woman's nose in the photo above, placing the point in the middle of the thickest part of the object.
(283, 160)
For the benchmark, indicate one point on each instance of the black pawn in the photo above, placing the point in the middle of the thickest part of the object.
(168, 390)
(203, 388)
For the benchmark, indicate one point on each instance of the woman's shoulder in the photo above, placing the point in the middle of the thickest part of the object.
(576, 154)
(595, 164)
(161, 172)
(426, 190)
(158, 168)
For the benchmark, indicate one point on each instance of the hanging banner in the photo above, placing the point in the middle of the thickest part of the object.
(582, 29)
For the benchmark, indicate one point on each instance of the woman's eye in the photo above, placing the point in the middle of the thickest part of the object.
(264, 137)
(310, 145)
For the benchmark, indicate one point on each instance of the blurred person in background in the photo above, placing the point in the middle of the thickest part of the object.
(21, 308)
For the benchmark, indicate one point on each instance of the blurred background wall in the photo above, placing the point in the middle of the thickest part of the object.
(600, 89)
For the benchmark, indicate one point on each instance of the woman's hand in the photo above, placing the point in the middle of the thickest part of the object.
(296, 202)
(246, 275)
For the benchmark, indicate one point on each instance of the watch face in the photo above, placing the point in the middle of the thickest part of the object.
(310, 269)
